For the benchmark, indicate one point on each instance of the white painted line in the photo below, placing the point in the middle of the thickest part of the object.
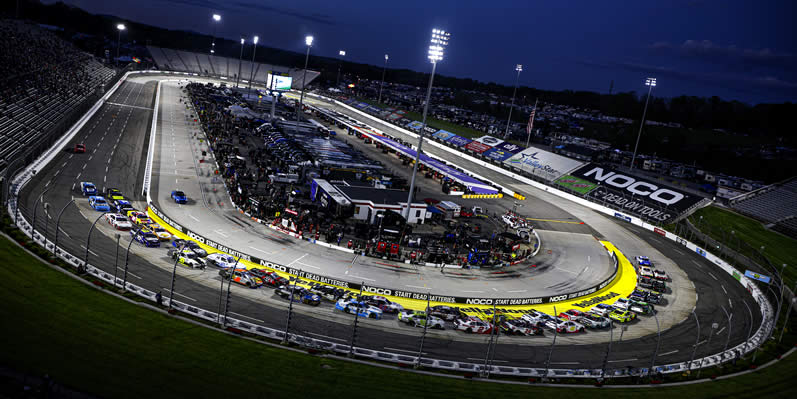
(177, 293)
(472, 291)
(245, 316)
(622, 360)
(495, 289)
(363, 278)
(106, 169)
(73, 186)
(668, 353)
(297, 259)
(309, 265)
(192, 217)
(712, 276)
(325, 336)
(129, 272)
(62, 231)
(731, 305)
(90, 251)
(563, 362)
(723, 289)
(517, 291)
(697, 264)
(679, 252)
(495, 361)
(721, 330)
(402, 350)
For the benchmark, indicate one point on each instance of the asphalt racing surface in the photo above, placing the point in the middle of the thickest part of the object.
(119, 134)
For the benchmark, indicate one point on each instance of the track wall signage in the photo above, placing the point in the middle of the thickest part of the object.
(315, 279)
(542, 163)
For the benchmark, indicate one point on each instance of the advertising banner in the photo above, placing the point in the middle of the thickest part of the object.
(542, 163)
(509, 147)
(573, 183)
(478, 147)
(755, 276)
(280, 82)
(415, 125)
(490, 140)
(444, 135)
(459, 141)
(497, 154)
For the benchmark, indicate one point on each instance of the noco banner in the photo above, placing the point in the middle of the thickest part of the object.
(316, 279)
(636, 195)
(542, 163)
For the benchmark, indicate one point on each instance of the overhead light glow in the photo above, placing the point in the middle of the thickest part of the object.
(386, 57)
(438, 42)
(120, 26)
(216, 17)
(256, 39)
(341, 52)
(650, 82)
(242, 40)
(519, 68)
(308, 40)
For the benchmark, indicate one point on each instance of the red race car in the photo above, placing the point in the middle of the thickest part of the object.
(572, 315)
(80, 148)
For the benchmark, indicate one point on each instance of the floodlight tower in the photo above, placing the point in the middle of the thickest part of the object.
(383, 81)
(216, 19)
(252, 70)
(650, 83)
(437, 46)
(120, 28)
(341, 53)
(308, 40)
(240, 57)
(519, 69)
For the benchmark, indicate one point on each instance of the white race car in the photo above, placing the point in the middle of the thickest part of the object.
(602, 309)
(660, 275)
(622, 304)
(473, 324)
(645, 271)
(118, 221)
(643, 261)
(535, 317)
(568, 326)
(221, 260)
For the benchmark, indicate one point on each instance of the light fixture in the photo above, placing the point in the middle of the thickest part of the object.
(341, 52)
(650, 82)
(242, 40)
(308, 40)
(256, 39)
(519, 68)
(120, 26)
(386, 57)
(216, 17)
(438, 44)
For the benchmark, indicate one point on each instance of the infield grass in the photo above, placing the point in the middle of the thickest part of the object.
(99, 344)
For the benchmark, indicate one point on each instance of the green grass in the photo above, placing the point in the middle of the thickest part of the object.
(432, 122)
(779, 249)
(104, 346)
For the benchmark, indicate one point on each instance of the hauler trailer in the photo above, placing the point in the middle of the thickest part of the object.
(449, 209)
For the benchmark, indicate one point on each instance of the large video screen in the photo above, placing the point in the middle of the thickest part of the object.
(280, 83)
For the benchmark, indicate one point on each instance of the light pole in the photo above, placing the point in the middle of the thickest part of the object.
(120, 28)
(519, 69)
(174, 274)
(290, 311)
(216, 18)
(425, 328)
(36, 207)
(308, 40)
(714, 326)
(381, 217)
(608, 349)
(550, 351)
(116, 258)
(46, 206)
(240, 57)
(382, 82)
(127, 258)
(341, 53)
(437, 47)
(229, 288)
(658, 341)
(788, 312)
(730, 317)
(58, 222)
(252, 70)
(697, 340)
(650, 83)
(356, 319)
(88, 239)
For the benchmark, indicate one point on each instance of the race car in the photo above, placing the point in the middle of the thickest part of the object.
(622, 316)
(139, 218)
(300, 294)
(641, 307)
(88, 188)
(652, 296)
(638, 295)
(146, 238)
(659, 274)
(330, 293)
(472, 324)
(591, 320)
(643, 261)
(221, 260)
(382, 303)
(241, 276)
(270, 278)
(178, 243)
(355, 307)
(123, 206)
(118, 221)
(650, 283)
(571, 314)
(159, 231)
(645, 271)
(568, 326)
(518, 326)
(113, 194)
(446, 313)
(179, 197)
(602, 309)
(79, 148)
(535, 317)
(188, 258)
(621, 303)
(99, 203)
(417, 318)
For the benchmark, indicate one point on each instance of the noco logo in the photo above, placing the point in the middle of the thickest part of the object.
(377, 290)
(476, 301)
(557, 298)
(642, 188)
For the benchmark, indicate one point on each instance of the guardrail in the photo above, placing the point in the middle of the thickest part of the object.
(748, 346)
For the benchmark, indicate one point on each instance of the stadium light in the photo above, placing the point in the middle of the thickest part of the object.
(384, 68)
(341, 53)
(216, 18)
(252, 70)
(438, 44)
(308, 41)
(240, 58)
(519, 69)
(650, 83)
(120, 28)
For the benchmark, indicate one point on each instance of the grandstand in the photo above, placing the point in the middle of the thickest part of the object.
(44, 79)
(775, 205)
(213, 65)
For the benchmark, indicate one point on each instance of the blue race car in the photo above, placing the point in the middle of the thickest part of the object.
(145, 237)
(99, 203)
(123, 206)
(643, 260)
(179, 197)
(88, 188)
(353, 306)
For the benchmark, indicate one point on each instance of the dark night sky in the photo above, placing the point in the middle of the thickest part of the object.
(735, 49)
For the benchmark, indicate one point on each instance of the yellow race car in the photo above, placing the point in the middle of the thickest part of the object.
(159, 231)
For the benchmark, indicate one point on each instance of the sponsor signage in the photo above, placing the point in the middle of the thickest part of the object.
(313, 279)
(459, 141)
(572, 183)
(415, 125)
(476, 146)
(755, 276)
(509, 147)
(542, 163)
(633, 205)
(497, 154)
(489, 140)
(660, 232)
(444, 135)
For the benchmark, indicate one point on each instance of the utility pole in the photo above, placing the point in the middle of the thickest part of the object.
(356, 319)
